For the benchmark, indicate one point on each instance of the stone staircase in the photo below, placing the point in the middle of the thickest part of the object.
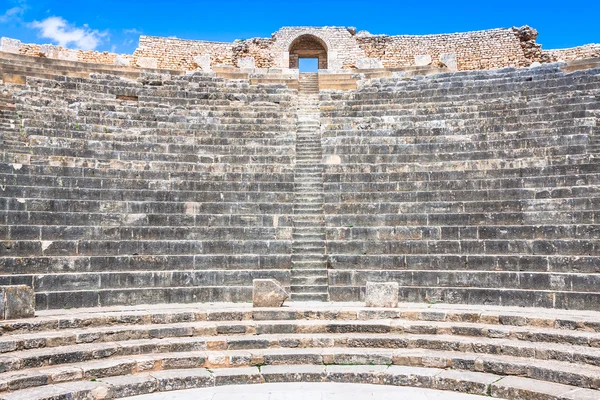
(309, 280)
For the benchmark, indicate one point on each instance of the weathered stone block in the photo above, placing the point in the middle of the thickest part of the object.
(9, 45)
(122, 61)
(246, 62)
(67, 55)
(449, 59)
(422, 60)
(147, 62)
(268, 293)
(17, 302)
(48, 51)
(369, 63)
(382, 294)
(203, 62)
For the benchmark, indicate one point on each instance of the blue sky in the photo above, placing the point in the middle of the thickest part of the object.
(111, 25)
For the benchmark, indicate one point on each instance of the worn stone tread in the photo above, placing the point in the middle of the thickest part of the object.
(434, 378)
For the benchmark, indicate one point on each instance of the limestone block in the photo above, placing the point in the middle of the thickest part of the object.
(246, 62)
(17, 301)
(122, 61)
(48, 51)
(335, 64)
(382, 294)
(289, 72)
(147, 62)
(268, 293)
(421, 60)
(449, 59)
(9, 45)
(332, 160)
(369, 63)
(203, 62)
(67, 55)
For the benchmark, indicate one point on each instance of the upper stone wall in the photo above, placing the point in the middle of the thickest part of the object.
(489, 49)
(570, 54)
(62, 53)
(179, 54)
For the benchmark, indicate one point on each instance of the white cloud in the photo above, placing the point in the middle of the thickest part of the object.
(13, 13)
(64, 34)
(132, 31)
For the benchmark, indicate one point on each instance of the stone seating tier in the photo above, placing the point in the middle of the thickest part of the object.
(232, 205)
(465, 187)
(451, 185)
(114, 353)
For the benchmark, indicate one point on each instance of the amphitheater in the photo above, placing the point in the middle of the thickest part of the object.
(142, 195)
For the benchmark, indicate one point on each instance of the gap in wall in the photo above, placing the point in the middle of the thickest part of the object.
(308, 64)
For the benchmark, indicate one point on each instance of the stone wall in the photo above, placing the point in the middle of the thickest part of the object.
(179, 54)
(342, 48)
(345, 49)
(63, 53)
(488, 49)
(570, 54)
(259, 49)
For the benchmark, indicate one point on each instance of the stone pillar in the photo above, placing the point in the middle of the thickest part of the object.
(285, 60)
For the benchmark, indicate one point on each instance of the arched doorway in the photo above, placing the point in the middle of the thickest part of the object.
(308, 46)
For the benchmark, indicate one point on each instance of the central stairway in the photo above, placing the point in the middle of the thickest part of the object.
(309, 261)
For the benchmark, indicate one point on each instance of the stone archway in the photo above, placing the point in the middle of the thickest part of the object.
(308, 46)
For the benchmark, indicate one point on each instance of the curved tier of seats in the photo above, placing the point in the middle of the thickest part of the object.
(118, 352)
(156, 190)
(477, 187)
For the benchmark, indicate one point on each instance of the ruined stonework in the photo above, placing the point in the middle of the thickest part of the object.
(575, 53)
(337, 48)
(474, 50)
(179, 54)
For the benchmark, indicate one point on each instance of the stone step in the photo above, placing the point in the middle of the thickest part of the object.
(309, 280)
(308, 257)
(308, 288)
(284, 348)
(320, 297)
(434, 378)
(303, 263)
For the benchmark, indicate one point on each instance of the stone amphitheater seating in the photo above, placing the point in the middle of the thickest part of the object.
(476, 191)
(477, 187)
(115, 353)
(182, 192)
